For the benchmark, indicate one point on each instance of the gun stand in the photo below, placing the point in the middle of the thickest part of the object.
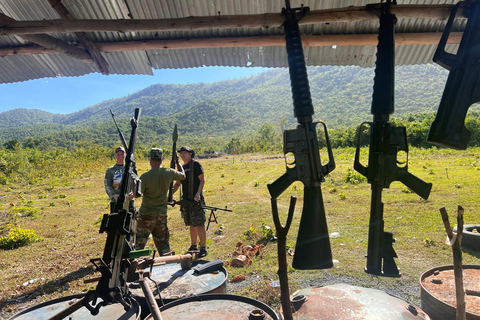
(282, 255)
(210, 219)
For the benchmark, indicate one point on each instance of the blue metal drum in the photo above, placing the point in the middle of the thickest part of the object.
(48, 309)
(175, 283)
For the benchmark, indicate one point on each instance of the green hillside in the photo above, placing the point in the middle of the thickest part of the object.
(234, 108)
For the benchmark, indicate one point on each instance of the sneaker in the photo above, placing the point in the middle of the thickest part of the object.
(192, 248)
(203, 252)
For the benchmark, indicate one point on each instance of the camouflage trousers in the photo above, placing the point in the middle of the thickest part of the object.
(156, 224)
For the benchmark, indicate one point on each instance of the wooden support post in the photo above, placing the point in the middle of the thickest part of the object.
(456, 242)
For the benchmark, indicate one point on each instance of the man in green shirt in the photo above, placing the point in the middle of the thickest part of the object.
(152, 217)
(113, 177)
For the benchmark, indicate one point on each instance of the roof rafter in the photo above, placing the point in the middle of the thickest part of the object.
(52, 43)
(266, 20)
(255, 41)
(94, 53)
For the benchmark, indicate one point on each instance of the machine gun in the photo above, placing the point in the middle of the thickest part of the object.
(192, 203)
(119, 246)
(463, 84)
(312, 249)
(386, 141)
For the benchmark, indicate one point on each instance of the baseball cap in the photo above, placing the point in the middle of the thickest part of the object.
(120, 149)
(188, 149)
(156, 154)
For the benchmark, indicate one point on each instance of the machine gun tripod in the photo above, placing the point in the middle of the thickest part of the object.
(211, 218)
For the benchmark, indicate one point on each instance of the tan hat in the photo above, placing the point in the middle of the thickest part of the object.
(156, 154)
(120, 149)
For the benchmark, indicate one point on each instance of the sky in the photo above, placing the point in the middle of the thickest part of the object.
(69, 94)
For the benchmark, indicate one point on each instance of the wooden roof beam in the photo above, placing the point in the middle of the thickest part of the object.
(257, 41)
(52, 43)
(266, 20)
(94, 53)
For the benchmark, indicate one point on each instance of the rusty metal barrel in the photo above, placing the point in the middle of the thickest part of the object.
(344, 301)
(49, 309)
(175, 283)
(218, 307)
(438, 292)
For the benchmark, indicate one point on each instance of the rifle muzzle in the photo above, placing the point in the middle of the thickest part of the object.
(312, 250)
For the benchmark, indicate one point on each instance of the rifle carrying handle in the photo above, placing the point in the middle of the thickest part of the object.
(330, 165)
(443, 58)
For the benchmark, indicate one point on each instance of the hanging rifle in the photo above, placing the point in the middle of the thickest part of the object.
(312, 250)
(385, 143)
(463, 84)
(173, 162)
(122, 138)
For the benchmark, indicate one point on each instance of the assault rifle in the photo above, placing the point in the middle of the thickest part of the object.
(312, 249)
(386, 141)
(463, 84)
(192, 203)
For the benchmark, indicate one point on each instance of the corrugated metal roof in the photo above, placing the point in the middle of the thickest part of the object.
(21, 68)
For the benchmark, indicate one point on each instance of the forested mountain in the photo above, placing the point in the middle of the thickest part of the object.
(233, 108)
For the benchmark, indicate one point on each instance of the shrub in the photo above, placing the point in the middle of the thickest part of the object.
(18, 237)
(353, 177)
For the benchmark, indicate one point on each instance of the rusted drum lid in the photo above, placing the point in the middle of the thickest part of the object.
(217, 307)
(343, 301)
(48, 309)
(176, 283)
(438, 292)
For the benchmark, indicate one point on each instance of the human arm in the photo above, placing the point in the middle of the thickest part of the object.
(108, 182)
(201, 177)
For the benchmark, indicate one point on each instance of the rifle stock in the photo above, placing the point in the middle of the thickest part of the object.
(463, 84)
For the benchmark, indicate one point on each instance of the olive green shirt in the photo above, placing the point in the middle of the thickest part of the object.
(155, 185)
(113, 180)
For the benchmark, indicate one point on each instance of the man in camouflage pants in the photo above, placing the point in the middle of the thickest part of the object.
(152, 217)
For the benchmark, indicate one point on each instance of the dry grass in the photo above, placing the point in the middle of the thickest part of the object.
(69, 213)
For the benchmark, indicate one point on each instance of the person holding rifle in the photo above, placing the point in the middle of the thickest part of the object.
(152, 217)
(113, 177)
(192, 186)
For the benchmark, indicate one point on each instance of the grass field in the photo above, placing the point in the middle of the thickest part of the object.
(66, 214)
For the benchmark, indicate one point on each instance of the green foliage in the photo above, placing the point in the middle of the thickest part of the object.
(353, 177)
(18, 237)
(250, 232)
(268, 233)
(248, 114)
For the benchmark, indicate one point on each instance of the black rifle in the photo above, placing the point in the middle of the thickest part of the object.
(385, 143)
(312, 249)
(173, 162)
(122, 138)
(463, 84)
(192, 203)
